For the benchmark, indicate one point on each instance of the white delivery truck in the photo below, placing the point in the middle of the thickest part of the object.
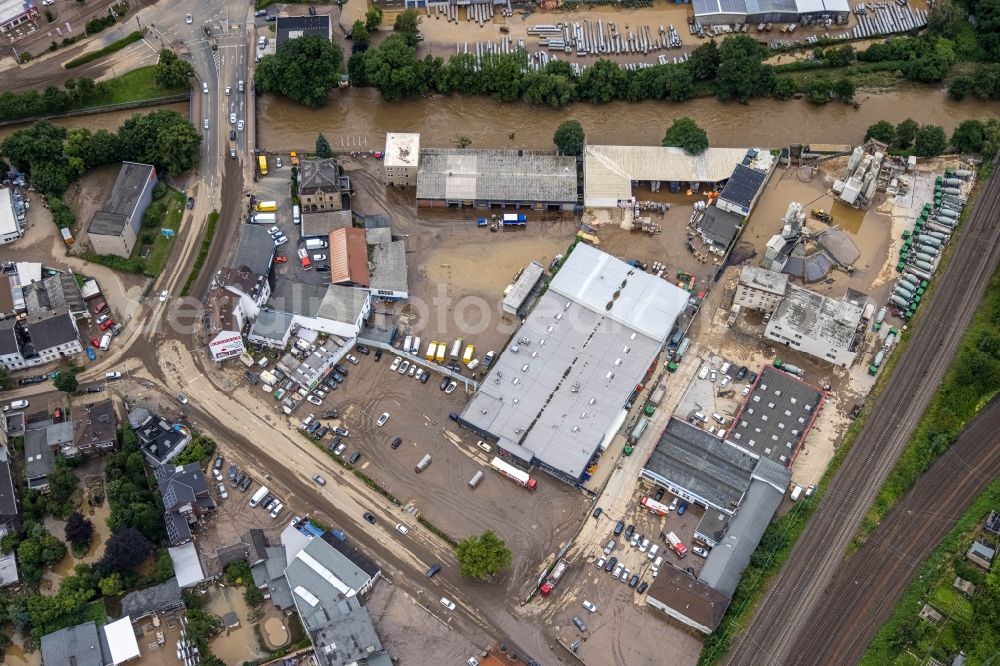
(258, 496)
(296, 215)
(264, 218)
(315, 244)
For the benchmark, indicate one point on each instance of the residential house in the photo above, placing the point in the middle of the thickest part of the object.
(159, 440)
(41, 442)
(40, 338)
(186, 498)
(97, 432)
(9, 511)
(163, 598)
(321, 185)
(81, 645)
(54, 292)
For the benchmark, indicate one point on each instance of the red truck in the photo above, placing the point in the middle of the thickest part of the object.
(553, 579)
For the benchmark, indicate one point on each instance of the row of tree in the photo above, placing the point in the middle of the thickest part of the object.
(54, 157)
(971, 136)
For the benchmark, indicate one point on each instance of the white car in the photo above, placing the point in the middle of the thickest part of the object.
(413, 370)
(451, 387)
(319, 257)
(382, 420)
(164, 295)
(644, 546)
(395, 364)
(206, 123)
(189, 19)
(448, 603)
(229, 89)
(223, 493)
(618, 570)
(204, 87)
(313, 399)
(746, 390)
(699, 551)
(725, 380)
(277, 162)
(277, 509)
(352, 358)
(403, 367)
(217, 474)
(402, 529)
(703, 373)
(600, 562)
(590, 607)
(232, 116)
(712, 376)
(239, 126)
(280, 240)
(486, 448)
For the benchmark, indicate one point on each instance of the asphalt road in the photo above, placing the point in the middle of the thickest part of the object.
(870, 584)
(783, 614)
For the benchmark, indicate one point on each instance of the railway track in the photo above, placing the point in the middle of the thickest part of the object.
(872, 581)
(784, 611)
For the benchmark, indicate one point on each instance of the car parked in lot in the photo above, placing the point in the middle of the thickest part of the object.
(362, 349)
(403, 367)
(486, 448)
(597, 512)
(452, 385)
(619, 526)
(625, 575)
(355, 457)
(91, 354)
(579, 623)
(342, 431)
(383, 419)
(444, 383)
(218, 462)
(617, 571)
(424, 376)
(181, 398)
(629, 531)
(610, 564)
(223, 493)
(682, 507)
(642, 587)
(353, 359)
(610, 546)
(659, 494)
(634, 541)
(600, 562)
(699, 551)
(313, 399)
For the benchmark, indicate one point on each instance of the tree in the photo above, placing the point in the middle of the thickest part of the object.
(79, 531)
(960, 87)
(111, 585)
(969, 137)
(741, 73)
(569, 137)
(164, 139)
(685, 133)
(38, 144)
(304, 70)
(704, 61)
(360, 34)
(373, 18)
(124, 551)
(906, 132)
(602, 82)
(393, 69)
(930, 141)
(6, 383)
(66, 381)
(323, 147)
(482, 557)
(201, 448)
(171, 71)
(844, 88)
(552, 90)
(407, 23)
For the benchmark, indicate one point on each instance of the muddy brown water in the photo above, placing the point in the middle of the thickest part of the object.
(360, 118)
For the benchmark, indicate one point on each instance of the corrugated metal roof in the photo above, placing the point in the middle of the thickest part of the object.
(610, 170)
(348, 253)
(496, 175)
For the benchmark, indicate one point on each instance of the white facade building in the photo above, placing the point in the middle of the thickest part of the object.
(760, 289)
(10, 226)
(817, 325)
(402, 154)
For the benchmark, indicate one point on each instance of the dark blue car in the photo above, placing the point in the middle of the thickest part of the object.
(682, 507)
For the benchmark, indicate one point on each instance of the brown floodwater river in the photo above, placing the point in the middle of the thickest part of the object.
(359, 118)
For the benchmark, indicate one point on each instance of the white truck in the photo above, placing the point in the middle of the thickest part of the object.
(258, 496)
(315, 244)
(265, 218)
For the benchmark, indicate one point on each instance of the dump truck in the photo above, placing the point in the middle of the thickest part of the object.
(676, 545)
(514, 474)
(553, 578)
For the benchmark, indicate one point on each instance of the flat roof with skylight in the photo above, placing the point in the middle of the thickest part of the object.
(553, 394)
(776, 417)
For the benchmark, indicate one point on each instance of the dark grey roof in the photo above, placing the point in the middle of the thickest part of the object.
(347, 636)
(743, 185)
(159, 439)
(158, 598)
(131, 181)
(377, 221)
(993, 522)
(52, 328)
(776, 416)
(359, 559)
(178, 528)
(290, 27)
(8, 498)
(53, 292)
(255, 250)
(271, 324)
(100, 425)
(236, 552)
(75, 646)
(319, 175)
(258, 544)
(720, 226)
(685, 595)
(725, 564)
(700, 463)
(38, 455)
(297, 297)
(9, 337)
(183, 485)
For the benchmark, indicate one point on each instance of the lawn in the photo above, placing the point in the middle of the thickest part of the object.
(162, 245)
(135, 86)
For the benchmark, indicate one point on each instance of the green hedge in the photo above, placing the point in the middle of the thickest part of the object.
(206, 243)
(116, 45)
(132, 265)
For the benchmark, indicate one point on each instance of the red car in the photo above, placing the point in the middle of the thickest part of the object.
(107, 324)
(95, 343)
(281, 260)
(57, 415)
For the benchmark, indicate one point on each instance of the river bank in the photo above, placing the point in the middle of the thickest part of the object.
(358, 118)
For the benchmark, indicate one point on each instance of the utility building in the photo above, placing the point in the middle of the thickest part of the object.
(556, 394)
(818, 325)
(760, 289)
(402, 152)
(114, 228)
(456, 178)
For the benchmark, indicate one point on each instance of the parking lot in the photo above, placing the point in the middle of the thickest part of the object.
(622, 625)
(706, 397)
(532, 524)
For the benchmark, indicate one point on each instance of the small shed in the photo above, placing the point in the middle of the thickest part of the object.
(981, 554)
(930, 614)
(964, 586)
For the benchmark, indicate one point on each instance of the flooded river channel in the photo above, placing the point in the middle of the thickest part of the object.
(360, 118)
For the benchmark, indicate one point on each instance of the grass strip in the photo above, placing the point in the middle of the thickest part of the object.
(116, 45)
(206, 243)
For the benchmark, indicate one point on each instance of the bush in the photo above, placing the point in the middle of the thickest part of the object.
(95, 25)
(62, 214)
(206, 243)
(131, 265)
